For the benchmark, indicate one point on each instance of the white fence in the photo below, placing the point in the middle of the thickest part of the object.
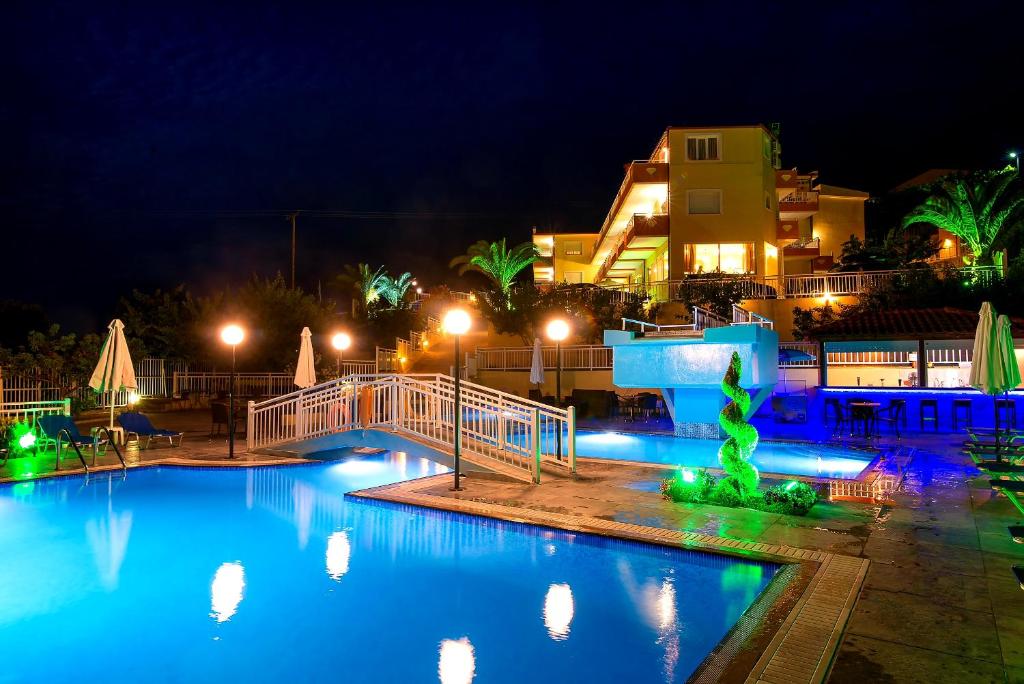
(574, 357)
(30, 411)
(503, 430)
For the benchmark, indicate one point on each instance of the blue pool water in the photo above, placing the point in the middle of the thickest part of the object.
(187, 575)
(790, 458)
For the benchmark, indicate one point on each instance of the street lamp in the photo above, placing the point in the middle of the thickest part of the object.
(1016, 158)
(457, 322)
(341, 341)
(232, 335)
(558, 330)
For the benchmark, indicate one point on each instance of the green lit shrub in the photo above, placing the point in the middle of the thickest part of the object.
(793, 498)
(688, 486)
(700, 486)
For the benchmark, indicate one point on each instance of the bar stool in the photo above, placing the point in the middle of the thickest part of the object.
(1007, 408)
(933, 405)
(964, 406)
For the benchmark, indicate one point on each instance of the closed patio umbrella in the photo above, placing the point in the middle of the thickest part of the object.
(114, 372)
(305, 372)
(537, 364)
(993, 369)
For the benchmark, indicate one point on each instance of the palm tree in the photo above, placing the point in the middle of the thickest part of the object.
(394, 289)
(980, 209)
(367, 286)
(495, 261)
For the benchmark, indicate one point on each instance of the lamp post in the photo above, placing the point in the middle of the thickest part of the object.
(457, 322)
(1016, 158)
(558, 330)
(341, 341)
(232, 335)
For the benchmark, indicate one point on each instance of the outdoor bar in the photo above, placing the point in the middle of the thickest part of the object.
(922, 357)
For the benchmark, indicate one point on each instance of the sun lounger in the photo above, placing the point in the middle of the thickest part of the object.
(61, 430)
(139, 425)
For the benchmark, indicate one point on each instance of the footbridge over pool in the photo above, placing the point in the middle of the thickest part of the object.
(687, 362)
(499, 432)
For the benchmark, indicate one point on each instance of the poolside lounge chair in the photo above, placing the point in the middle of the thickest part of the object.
(61, 430)
(137, 424)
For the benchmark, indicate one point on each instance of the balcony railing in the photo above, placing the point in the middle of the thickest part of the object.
(640, 225)
(793, 286)
(640, 171)
(800, 201)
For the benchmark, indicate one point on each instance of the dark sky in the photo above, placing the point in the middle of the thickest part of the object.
(145, 146)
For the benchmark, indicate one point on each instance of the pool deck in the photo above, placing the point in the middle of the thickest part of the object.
(938, 602)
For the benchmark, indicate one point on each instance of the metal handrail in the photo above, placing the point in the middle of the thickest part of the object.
(71, 441)
(110, 441)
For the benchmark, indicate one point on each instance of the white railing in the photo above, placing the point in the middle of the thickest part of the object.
(30, 411)
(387, 360)
(403, 348)
(246, 384)
(463, 296)
(809, 348)
(741, 316)
(496, 427)
(574, 357)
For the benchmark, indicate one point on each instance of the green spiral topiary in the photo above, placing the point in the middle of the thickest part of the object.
(734, 455)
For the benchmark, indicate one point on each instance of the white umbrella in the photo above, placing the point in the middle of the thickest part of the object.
(1007, 357)
(537, 363)
(305, 372)
(114, 372)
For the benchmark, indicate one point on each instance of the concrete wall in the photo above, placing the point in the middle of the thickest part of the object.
(837, 219)
(518, 382)
(744, 175)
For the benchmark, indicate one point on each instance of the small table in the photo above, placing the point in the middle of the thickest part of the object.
(116, 433)
(870, 410)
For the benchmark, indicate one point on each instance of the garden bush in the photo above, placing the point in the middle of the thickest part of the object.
(700, 486)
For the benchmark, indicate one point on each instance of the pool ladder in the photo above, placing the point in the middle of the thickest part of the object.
(71, 441)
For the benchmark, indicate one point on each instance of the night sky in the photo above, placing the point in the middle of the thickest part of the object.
(145, 147)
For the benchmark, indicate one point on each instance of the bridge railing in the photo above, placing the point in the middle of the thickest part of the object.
(494, 425)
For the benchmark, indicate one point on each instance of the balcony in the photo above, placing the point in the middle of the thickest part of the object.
(798, 204)
(641, 238)
(786, 180)
(645, 187)
(811, 248)
(787, 229)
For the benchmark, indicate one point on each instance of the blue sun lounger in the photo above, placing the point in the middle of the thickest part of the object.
(139, 425)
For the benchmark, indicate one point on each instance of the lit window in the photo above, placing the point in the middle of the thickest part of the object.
(703, 147)
(573, 247)
(704, 201)
(736, 257)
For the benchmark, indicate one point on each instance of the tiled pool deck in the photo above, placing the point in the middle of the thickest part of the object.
(938, 602)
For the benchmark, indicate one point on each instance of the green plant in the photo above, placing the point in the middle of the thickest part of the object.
(981, 209)
(734, 454)
(688, 486)
(792, 498)
(394, 289)
(496, 261)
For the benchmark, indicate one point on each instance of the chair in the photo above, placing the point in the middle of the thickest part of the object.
(839, 415)
(61, 430)
(219, 416)
(135, 423)
(861, 415)
(962, 406)
(894, 414)
(1007, 411)
(929, 411)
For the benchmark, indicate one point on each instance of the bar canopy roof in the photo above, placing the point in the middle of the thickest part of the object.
(945, 323)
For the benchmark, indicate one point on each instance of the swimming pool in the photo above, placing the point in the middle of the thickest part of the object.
(271, 574)
(791, 458)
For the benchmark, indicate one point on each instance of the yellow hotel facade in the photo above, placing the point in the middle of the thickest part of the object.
(713, 199)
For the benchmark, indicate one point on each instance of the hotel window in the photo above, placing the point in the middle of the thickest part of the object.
(767, 200)
(573, 247)
(729, 257)
(703, 147)
(704, 201)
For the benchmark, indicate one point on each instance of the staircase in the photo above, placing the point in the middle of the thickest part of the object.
(498, 431)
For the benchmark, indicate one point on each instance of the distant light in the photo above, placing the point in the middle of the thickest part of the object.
(947, 243)
(413, 283)
(457, 322)
(456, 664)
(402, 359)
(341, 341)
(133, 397)
(419, 290)
(232, 334)
(425, 343)
(1013, 155)
(557, 330)
(27, 440)
(689, 476)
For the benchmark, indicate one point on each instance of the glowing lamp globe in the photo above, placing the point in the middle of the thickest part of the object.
(456, 322)
(341, 341)
(557, 330)
(232, 334)
(27, 440)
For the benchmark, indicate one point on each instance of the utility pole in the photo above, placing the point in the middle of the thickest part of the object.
(293, 216)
